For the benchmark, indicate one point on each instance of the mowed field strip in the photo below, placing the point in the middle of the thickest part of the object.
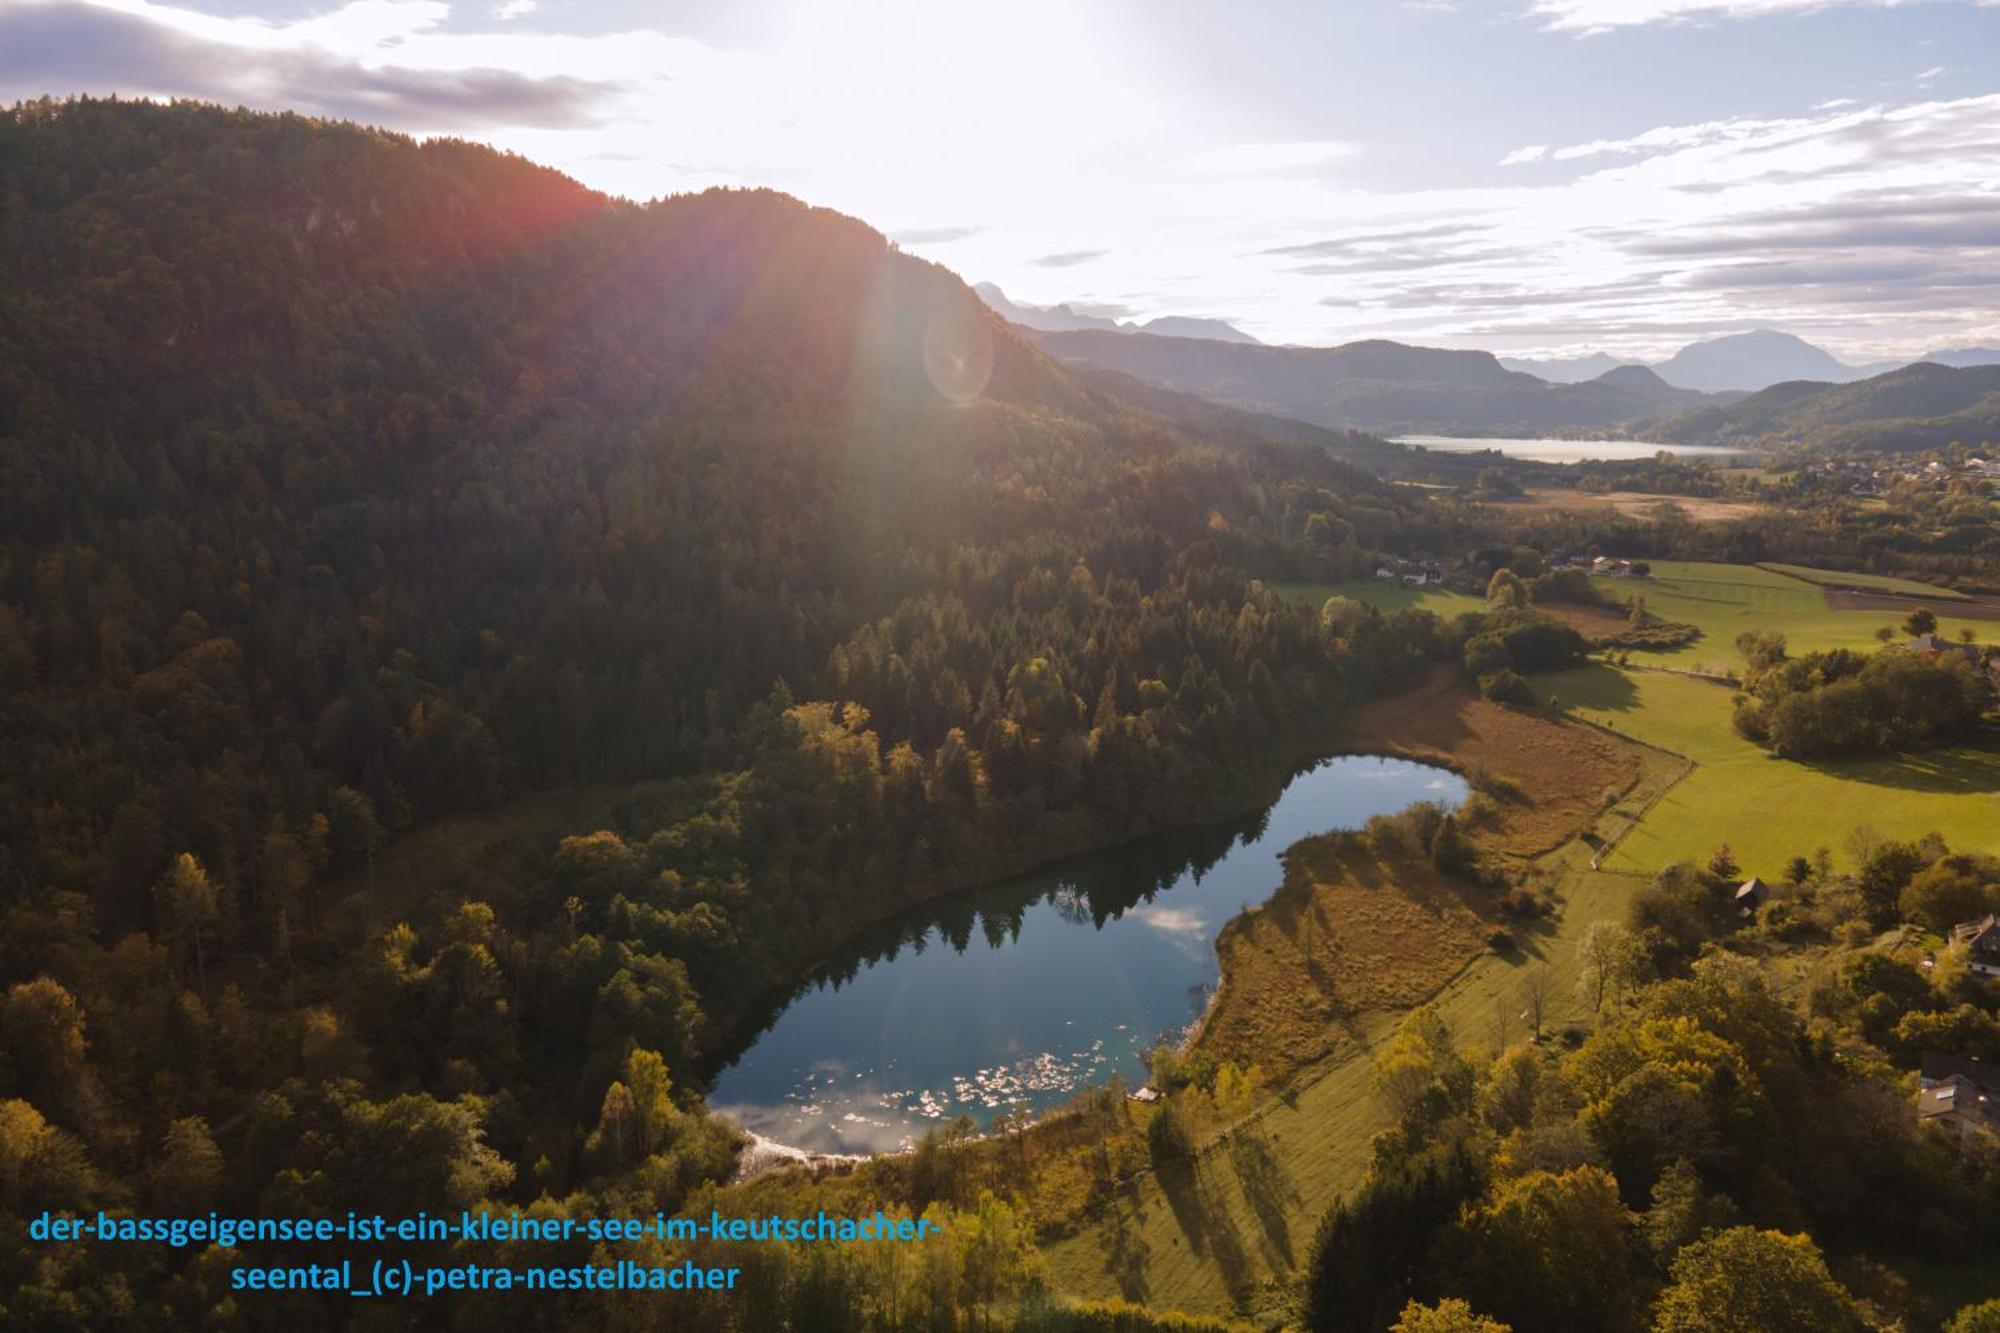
(1834, 578)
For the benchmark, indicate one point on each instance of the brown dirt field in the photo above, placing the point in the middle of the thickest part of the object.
(1348, 933)
(1593, 622)
(1560, 771)
(1635, 504)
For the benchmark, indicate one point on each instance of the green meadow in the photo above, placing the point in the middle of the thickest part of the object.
(1770, 810)
(1726, 600)
(1383, 596)
(1723, 600)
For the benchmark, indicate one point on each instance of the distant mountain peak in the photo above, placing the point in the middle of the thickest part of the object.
(1187, 326)
(1643, 379)
(1065, 318)
(1564, 369)
(1751, 361)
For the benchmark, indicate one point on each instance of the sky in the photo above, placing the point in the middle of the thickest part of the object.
(1535, 177)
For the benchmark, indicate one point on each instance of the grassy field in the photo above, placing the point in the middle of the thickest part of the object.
(1769, 810)
(1383, 596)
(1723, 600)
(1726, 600)
(1834, 578)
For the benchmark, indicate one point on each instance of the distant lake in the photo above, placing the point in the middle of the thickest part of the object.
(1022, 994)
(1563, 451)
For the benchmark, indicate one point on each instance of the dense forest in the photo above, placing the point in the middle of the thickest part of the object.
(350, 482)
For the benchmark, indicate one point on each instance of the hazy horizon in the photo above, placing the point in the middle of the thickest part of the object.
(1536, 177)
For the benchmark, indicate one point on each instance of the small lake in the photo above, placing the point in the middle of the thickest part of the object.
(1564, 451)
(1024, 993)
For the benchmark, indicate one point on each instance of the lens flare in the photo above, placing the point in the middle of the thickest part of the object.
(958, 355)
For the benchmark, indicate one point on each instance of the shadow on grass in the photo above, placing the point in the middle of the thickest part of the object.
(1127, 1256)
(1962, 770)
(1204, 1220)
(1268, 1189)
(1595, 685)
(1532, 936)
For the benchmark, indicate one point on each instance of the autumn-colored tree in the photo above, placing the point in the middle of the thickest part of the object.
(1744, 1280)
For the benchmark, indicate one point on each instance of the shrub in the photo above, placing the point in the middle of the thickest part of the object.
(1167, 1137)
(1504, 687)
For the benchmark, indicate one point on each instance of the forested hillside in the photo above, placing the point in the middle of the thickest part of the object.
(346, 482)
(1370, 385)
(1908, 410)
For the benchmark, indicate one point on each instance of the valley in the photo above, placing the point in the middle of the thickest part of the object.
(525, 700)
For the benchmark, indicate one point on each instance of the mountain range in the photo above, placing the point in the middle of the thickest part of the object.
(1375, 384)
(1738, 362)
(1746, 363)
(1067, 319)
(1763, 387)
(1734, 363)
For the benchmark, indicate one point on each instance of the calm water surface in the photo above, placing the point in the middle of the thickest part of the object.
(1562, 451)
(1024, 993)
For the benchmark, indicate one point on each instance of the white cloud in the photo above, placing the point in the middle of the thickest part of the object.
(1592, 16)
(1171, 920)
(1669, 138)
(1534, 152)
(1874, 229)
(514, 9)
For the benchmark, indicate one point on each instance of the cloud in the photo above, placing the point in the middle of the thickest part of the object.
(1404, 261)
(63, 46)
(1171, 920)
(514, 9)
(1662, 138)
(1596, 16)
(1876, 225)
(1914, 230)
(935, 235)
(1930, 75)
(1342, 245)
(1068, 258)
